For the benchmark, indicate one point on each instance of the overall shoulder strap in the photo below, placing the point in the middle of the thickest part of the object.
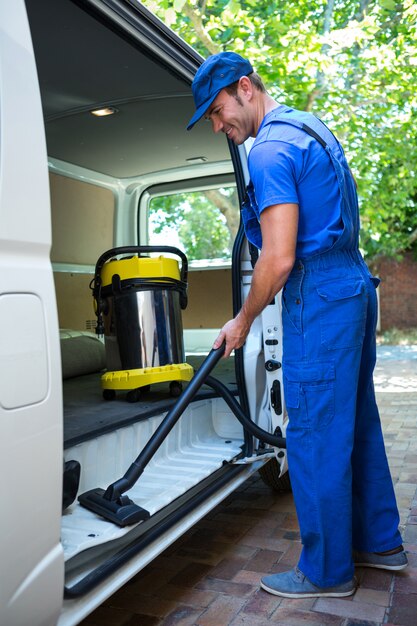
(308, 123)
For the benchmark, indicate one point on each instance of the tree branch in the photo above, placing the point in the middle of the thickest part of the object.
(311, 98)
(320, 76)
(196, 18)
(203, 7)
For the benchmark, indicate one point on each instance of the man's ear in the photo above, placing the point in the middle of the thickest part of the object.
(245, 87)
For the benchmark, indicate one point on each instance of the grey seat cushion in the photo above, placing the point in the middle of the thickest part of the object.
(81, 353)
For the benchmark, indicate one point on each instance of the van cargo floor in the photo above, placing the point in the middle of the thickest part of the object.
(88, 415)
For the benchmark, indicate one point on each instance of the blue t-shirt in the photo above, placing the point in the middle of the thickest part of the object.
(287, 165)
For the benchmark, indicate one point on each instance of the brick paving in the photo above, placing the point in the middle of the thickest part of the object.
(210, 576)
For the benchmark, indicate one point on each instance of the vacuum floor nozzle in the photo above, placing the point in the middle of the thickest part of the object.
(122, 511)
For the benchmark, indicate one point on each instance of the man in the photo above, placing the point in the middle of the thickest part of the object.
(302, 212)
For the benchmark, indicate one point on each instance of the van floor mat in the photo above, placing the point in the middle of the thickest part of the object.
(87, 415)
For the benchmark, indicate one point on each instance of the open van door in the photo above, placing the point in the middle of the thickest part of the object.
(31, 563)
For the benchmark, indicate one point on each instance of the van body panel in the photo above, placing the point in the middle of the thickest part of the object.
(31, 455)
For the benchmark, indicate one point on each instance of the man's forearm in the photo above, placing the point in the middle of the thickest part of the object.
(269, 276)
(279, 225)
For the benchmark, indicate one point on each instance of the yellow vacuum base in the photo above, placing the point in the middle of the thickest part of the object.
(133, 379)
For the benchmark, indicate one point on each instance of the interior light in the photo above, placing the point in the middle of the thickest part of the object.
(103, 112)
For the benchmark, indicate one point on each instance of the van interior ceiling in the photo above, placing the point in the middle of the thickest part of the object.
(101, 166)
(94, 67)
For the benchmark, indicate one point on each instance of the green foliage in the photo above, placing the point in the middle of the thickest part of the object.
(353, 63)
(201, 229)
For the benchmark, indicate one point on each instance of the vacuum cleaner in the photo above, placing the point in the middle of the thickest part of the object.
(138, 302)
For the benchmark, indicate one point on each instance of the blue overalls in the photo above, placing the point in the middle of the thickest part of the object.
(339, 472)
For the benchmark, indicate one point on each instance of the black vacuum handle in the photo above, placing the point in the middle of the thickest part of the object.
(140, 250)
(96, 282)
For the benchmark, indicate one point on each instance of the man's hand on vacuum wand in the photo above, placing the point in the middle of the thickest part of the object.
(234, 332)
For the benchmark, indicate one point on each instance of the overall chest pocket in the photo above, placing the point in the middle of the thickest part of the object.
(343, 306)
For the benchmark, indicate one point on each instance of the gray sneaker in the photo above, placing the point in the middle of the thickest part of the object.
(294, 584)
(393, 562)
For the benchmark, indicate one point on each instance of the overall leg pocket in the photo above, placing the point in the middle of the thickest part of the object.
(343, 306)
(309, 390)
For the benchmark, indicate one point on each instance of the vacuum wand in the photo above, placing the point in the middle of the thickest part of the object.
(120, 509)
(136, 469)
(111, 503)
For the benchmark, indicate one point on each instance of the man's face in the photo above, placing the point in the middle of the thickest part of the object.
(232, 116)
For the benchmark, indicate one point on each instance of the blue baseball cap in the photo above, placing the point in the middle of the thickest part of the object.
(216, 73)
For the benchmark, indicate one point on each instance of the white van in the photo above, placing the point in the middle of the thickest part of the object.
(75, 185)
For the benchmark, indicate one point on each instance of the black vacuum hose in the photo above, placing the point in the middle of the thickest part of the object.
(247, 423)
